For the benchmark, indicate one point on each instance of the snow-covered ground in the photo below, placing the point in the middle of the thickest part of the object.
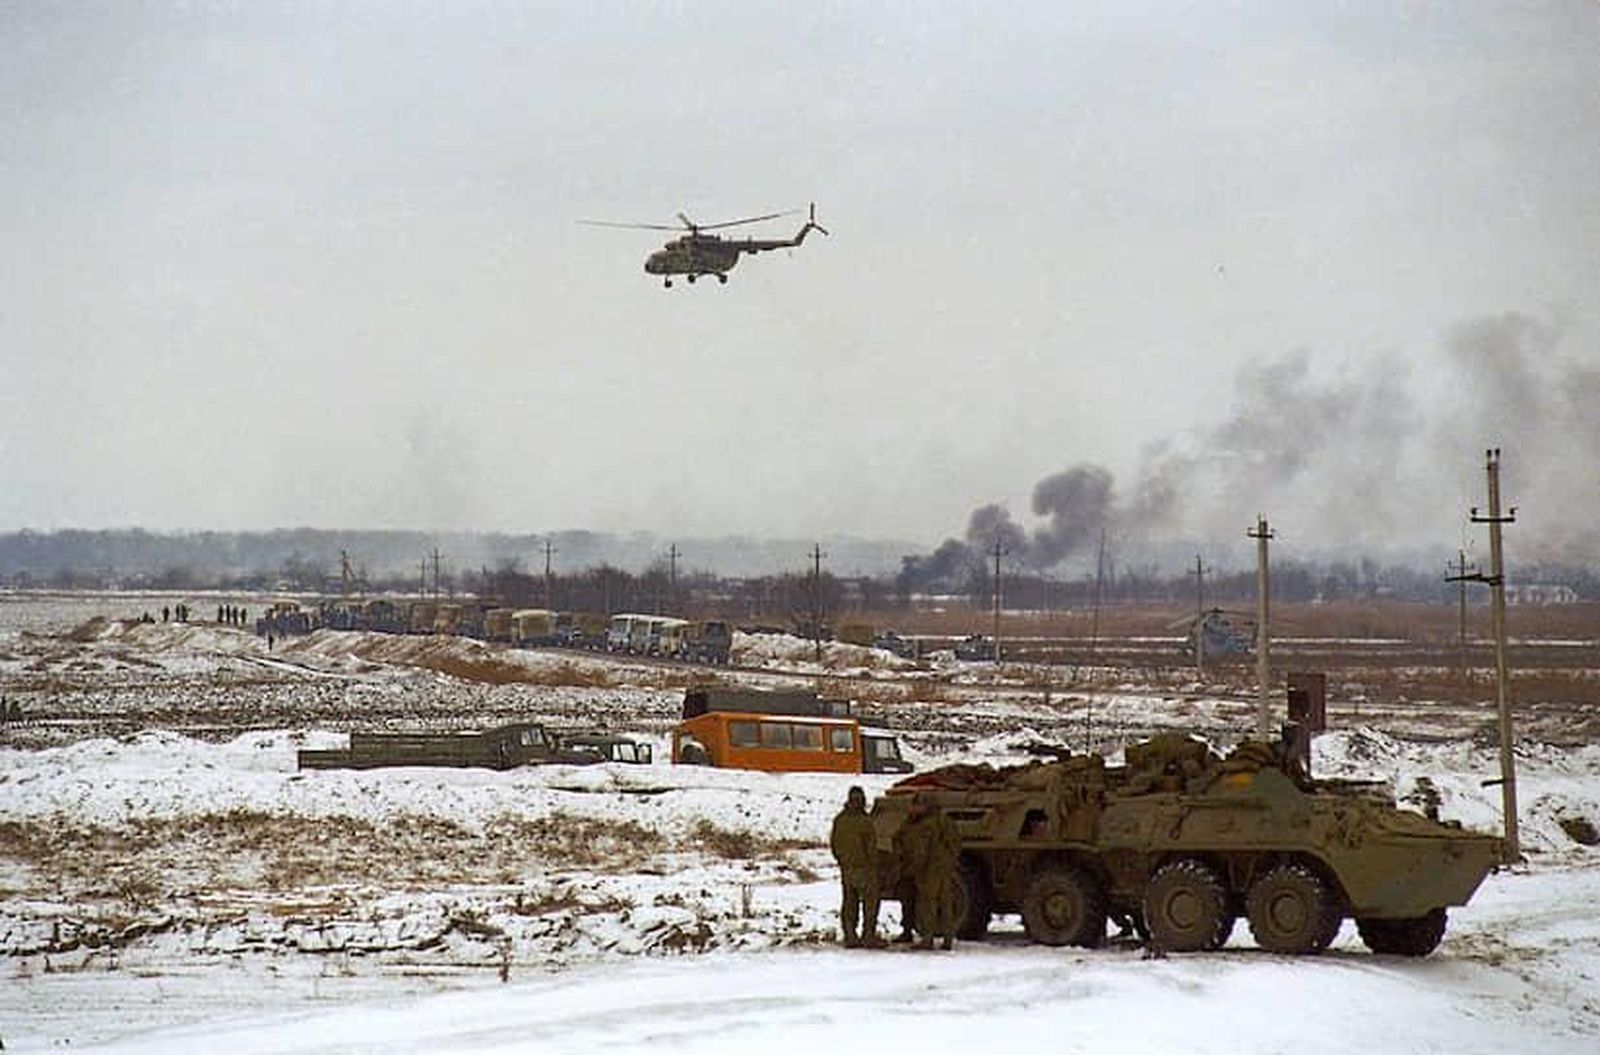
(169, 881)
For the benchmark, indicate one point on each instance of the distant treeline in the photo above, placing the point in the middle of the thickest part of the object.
(303, 556)
(737, 577)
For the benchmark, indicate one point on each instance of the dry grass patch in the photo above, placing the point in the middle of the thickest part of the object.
(147, 860)
(738, 845)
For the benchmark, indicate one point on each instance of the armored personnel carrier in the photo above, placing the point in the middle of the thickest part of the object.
(1179, 843)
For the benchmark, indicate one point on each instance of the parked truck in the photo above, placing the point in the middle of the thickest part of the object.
(505, 747)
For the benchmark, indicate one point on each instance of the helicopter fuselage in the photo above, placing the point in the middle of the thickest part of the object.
(694, 255)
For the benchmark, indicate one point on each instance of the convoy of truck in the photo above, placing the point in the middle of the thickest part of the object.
(704, 641)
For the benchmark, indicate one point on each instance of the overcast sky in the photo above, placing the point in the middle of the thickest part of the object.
(317, 264)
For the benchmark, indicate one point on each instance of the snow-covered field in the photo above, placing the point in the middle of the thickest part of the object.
(170, 882)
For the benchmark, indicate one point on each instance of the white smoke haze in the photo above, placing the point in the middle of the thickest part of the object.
(1356, 463)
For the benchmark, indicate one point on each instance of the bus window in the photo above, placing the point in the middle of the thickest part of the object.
(807, 738)
(742, 734)
(776, 734)
(840, 740)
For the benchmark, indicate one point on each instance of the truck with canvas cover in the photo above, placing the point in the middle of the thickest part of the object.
(1180, 842)
(708, 641)
(505, 747)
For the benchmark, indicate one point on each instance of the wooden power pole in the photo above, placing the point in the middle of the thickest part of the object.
(1464, 573)
(1199, 616)
(816, 598)
(1099, 597)
(999, 551)
(1497, 592)
(1262, 533)
(549, 577)
(673, 553)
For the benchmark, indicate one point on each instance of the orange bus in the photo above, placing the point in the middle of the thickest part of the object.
(784, 743)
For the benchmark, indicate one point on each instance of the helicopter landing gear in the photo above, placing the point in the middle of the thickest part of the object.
(667, 282)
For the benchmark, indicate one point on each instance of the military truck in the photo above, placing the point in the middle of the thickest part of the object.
(709, 641)
(517, 744)
(1179, 843)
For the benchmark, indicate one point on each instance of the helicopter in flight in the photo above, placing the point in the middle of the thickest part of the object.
(696, 253)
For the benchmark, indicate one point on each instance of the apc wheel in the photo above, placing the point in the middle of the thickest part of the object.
(1064, 906)
(1417, 936)
(723, 279)
(1186, 908)
(1292, 911)
(973, 904)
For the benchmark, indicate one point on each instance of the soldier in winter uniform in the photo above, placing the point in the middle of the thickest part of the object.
(855, 847)
(932, 848)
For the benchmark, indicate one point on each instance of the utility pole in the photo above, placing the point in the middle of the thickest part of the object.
(435, 559)
(549, 579)
(1199, 616)
(816, 598)
(1262, 533)
(1497, 592)
(999, 551)
(1099, 595)
(344, 574)
(422, 577)
(1464, 574)
(672, 574)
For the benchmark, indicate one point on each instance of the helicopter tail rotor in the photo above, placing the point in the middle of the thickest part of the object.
(810, 225)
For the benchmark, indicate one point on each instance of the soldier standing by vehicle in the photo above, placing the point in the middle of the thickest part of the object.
(854, 843)
(932, 848)
(897, 881)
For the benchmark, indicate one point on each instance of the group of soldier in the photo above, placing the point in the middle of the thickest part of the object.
(920, 871)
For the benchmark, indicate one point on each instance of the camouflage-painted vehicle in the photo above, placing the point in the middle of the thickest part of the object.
(1179, 843)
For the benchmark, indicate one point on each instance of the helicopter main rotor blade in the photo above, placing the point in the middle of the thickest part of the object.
(632, 226)
(748, 219)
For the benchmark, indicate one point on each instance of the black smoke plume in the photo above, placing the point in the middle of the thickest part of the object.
(1367, 458)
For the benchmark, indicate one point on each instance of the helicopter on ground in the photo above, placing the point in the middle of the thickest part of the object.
(696, 253)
